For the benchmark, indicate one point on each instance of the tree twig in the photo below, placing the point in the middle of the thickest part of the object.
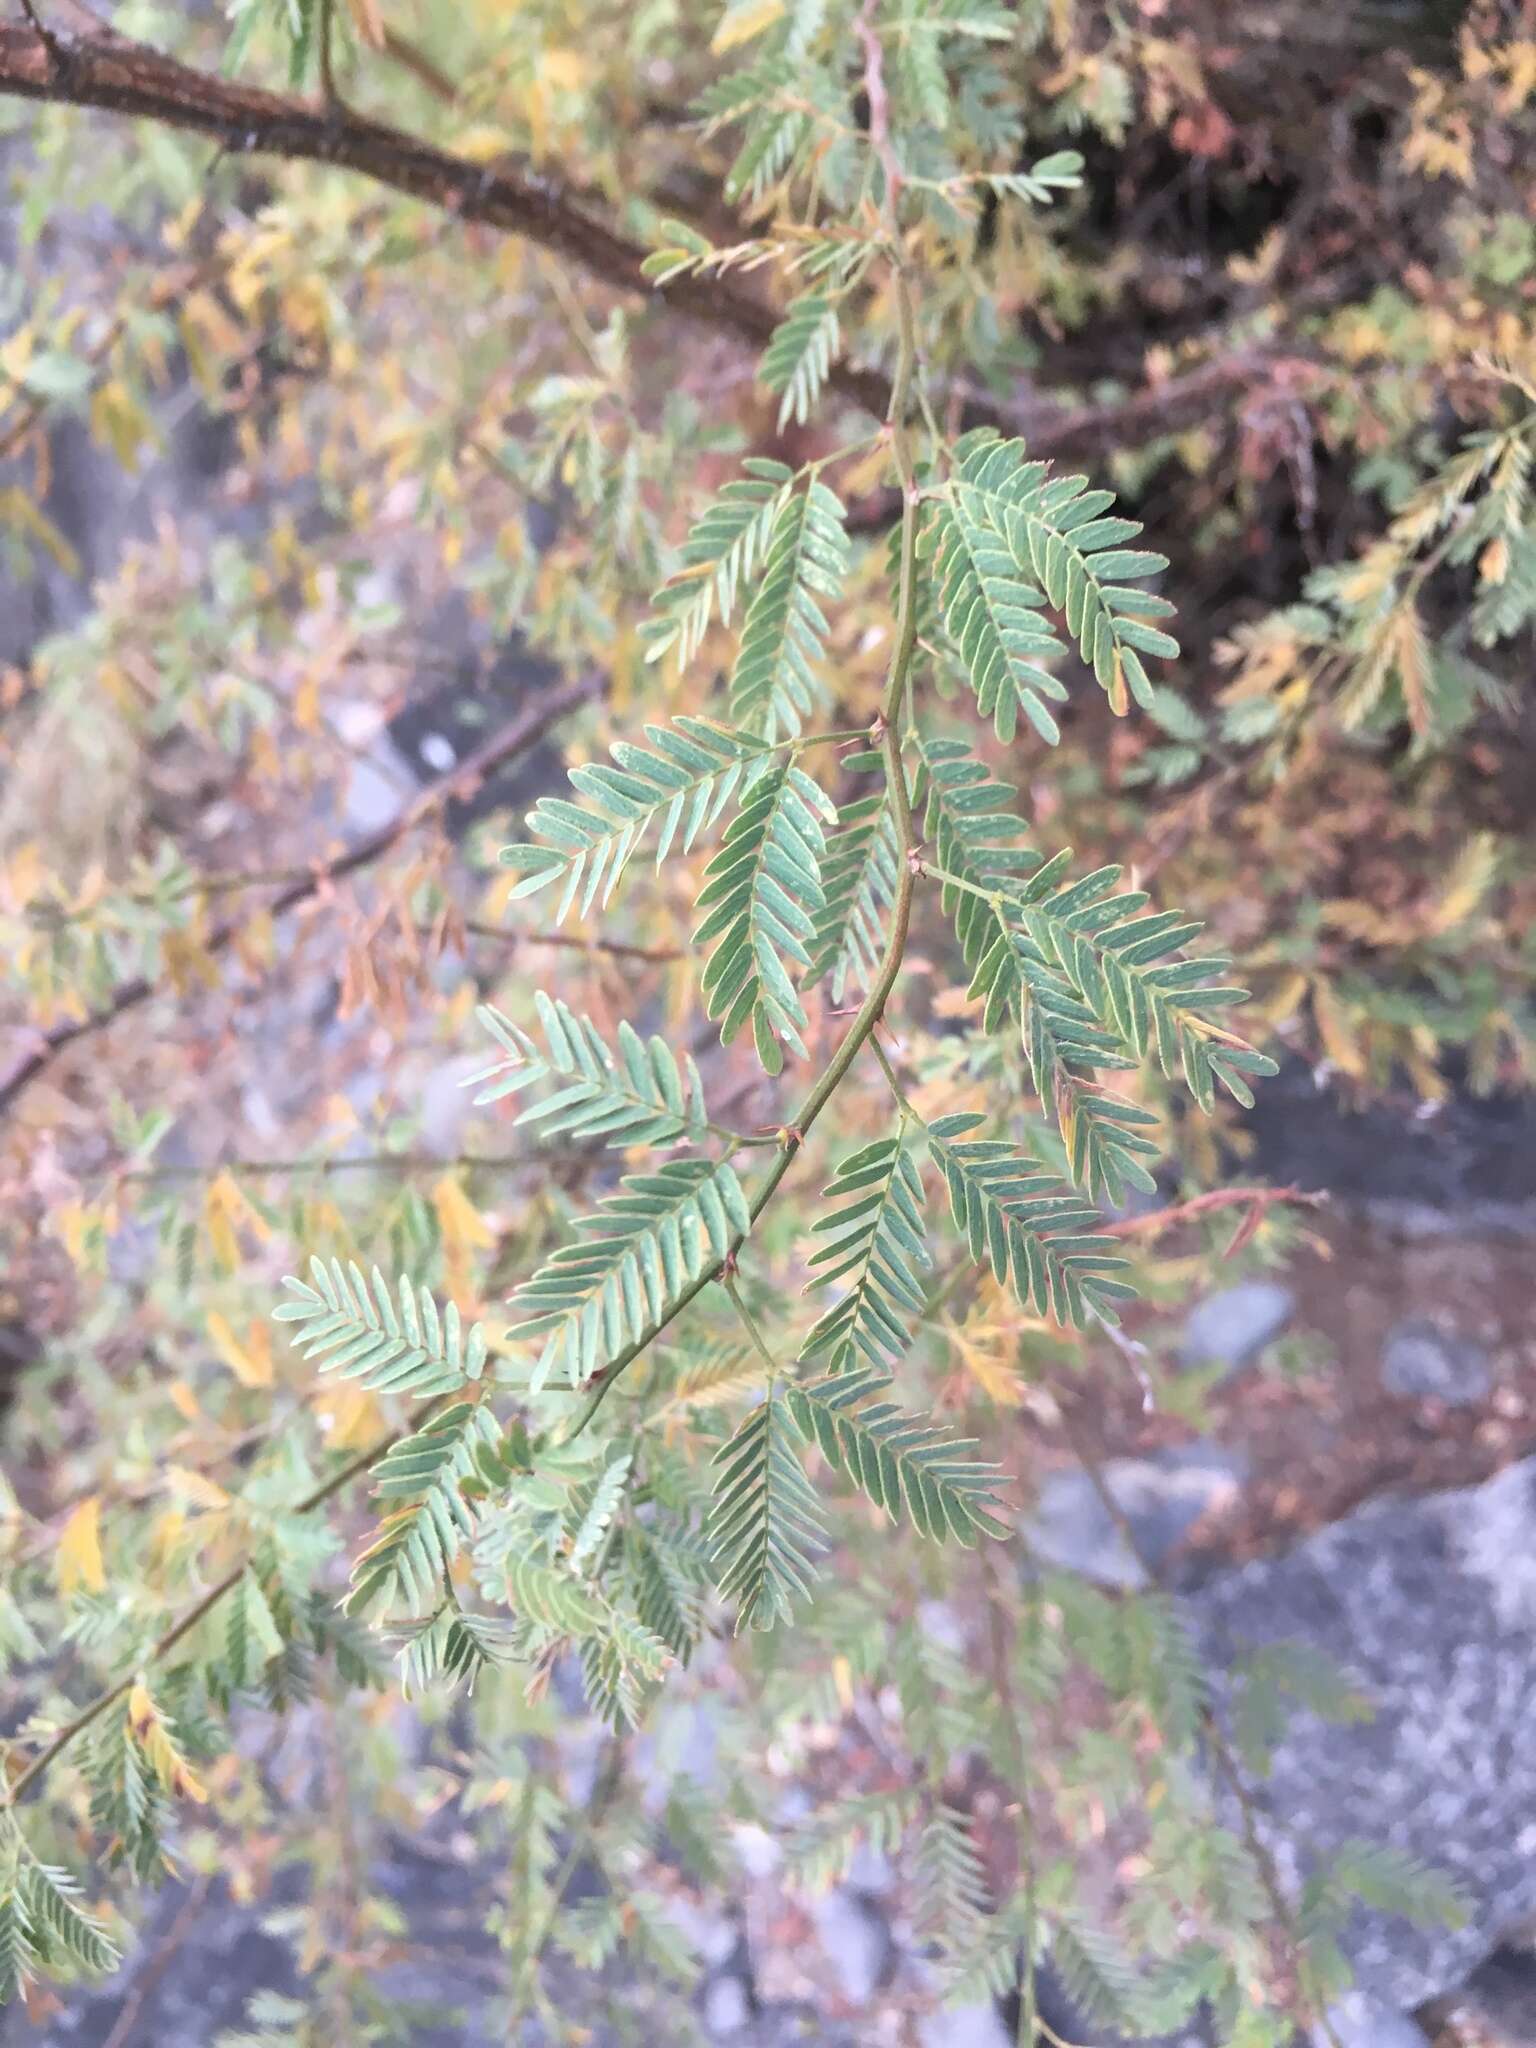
(103, 70)
(514, 738)
(163, 1645)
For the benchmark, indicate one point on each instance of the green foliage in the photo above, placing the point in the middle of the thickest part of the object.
(385, 1340)
(677, 787)
(411, 1555)
(774, 686)
(765, 1526)
(630, 1266)
(879, 1249)
(800, 354)
(721, 554)
(644, 1095)
(903, 1464)
(820, 1852)
(1038, 1237)
(858, 877)
(761, 897)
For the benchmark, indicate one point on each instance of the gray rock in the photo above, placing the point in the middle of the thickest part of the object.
(1230, 1329)
(857, 1941)
(1359, 2022)
(1424, 1361)
(964, 2026)
(1162, 1496)
(727, 2007)
(1501, 1996)
(1427, 1608)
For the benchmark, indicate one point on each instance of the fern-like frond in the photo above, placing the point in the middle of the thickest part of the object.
(641, 1095)
(593, 1510)
(859, 877)
(972, 823)
(62, 1929)
(417, 1542)
(800, 354)
(629, 1266)
(1098, 1977)
(901, 1461)
(819, 1852)
(994, 619)
(1039, 1237)
(453, 1648)
(550, 1598)
(762, 894)
(1125, 962)
(719, 557)
(19, 1957)
(618, 1667)
(677, 786)
(774, 686)
(393, 1341)
(953, 1898)
(1053, 531)
(878, 1248)
(666, 1576)
(764, 1525)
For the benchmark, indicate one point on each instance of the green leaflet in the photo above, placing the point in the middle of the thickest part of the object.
(774, 685)
(819, 1852)
(1125, 963)
(416, 1544)
(765, 1526)
(43, 1923)
(973, 824)
(453, 1648)
(1004, 526)
(665, 1578)
(859, 877)
(902, 1462)
(799, 355)
(677, 787)
(992, 616)
(718, 557)
(393, 1342)
(761, 896)
(629, 1266)
(1039, 1237)
(953, 1900)
(1090, 982)
(879, 1250)
(641, 1095)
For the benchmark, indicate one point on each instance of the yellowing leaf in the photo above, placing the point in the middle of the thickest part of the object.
(250, 1362)
(176, 1775)
(79, 1561)
(1334, 1028)
(347, 1415)
(462, 1225)
(744, 20)
(1472, 875)
(564, 69)
(196, 1487)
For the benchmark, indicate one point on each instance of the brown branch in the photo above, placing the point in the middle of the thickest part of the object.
(1255, 1200)
(514, 738)
(98, 68)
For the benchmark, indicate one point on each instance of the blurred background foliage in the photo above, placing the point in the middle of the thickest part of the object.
(309, 491)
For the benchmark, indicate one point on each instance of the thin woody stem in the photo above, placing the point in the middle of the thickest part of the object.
(163, 1645)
